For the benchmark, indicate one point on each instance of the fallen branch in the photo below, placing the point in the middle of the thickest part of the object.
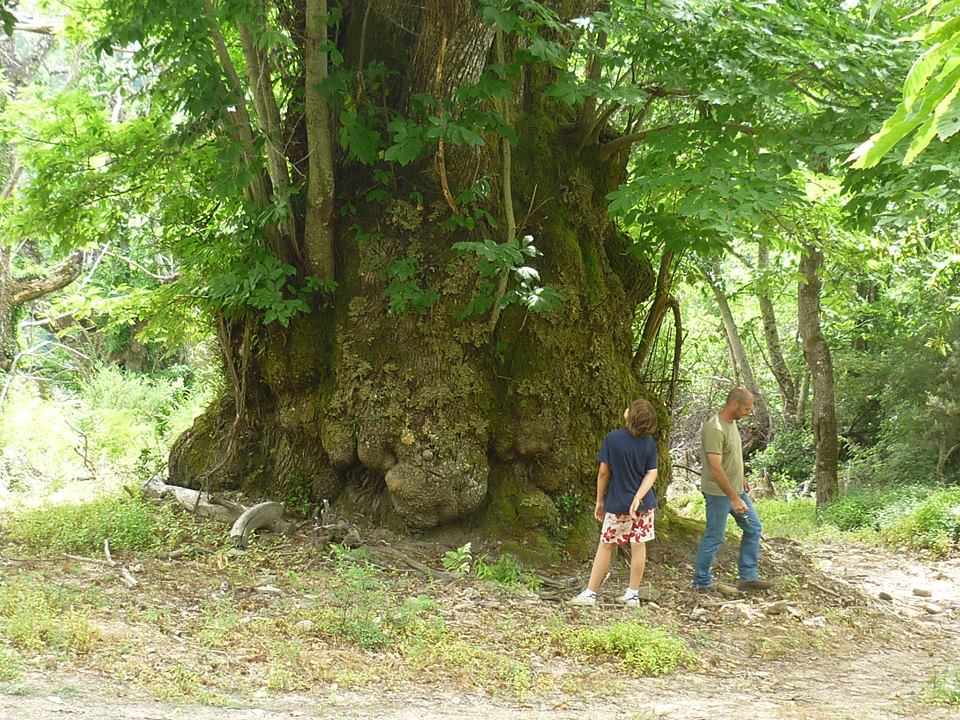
(394, 556)
(106, 552)
(91, 561)
(192, 500)
(182, 552)
(263, 514)
(128, 578)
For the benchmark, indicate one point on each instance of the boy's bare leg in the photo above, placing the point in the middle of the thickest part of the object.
(638, 562)
(601, 562)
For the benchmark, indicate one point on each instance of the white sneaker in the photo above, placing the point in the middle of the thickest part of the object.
(587, 597)
(630, 599)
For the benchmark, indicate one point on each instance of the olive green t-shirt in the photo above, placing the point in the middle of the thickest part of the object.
(721, 438)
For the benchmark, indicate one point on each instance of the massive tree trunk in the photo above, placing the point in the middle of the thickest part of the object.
(426, 421)
(817, 354)
(761, 412)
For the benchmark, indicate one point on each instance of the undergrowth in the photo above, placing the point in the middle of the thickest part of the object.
(37, 616)
(915, 516)
(130, 524)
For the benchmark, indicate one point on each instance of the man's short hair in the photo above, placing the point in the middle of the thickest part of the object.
(738, 395)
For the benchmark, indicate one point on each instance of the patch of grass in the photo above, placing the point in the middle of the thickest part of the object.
(944, 688)
(131, 524)
(9, 665)
(286, 672)
(218, 625)
(643, 650)
(35, 616)
(789, 518)
(428, 647)
(359, 609)
(933, 524)
(781, 518)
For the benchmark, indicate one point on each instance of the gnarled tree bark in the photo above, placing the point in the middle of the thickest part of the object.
(410, 420)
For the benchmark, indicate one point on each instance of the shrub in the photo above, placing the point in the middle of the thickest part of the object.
(874, 508)
(789, 458)
(933, 524)
(641, 649)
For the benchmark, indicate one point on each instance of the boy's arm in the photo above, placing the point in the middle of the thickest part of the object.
(603, 477)
(645, 486)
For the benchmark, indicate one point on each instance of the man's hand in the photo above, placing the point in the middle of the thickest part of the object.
(746, 486)
(598, 511)
(739, 507)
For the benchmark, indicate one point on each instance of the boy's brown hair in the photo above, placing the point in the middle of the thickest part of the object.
(641, 418)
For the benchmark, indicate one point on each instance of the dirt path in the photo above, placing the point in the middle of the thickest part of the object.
(881, 674)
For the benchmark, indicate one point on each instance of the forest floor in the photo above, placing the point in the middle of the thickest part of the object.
(284, 630)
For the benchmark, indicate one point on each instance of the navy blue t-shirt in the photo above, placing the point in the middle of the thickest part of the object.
(629, 459)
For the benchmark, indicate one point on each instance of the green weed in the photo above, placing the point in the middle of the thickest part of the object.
(944, 688)
(458, 561)
(641, 649)
(506, 571)
(359, 609)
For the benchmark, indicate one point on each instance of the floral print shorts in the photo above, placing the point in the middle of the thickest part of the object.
(622, 529)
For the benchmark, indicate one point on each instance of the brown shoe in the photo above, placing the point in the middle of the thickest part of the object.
(755, 585)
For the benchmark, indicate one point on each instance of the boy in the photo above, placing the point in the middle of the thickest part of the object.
(625, 499)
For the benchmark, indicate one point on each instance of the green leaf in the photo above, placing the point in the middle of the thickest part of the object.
(903, 121)
(929, 129)
(923, 68)
(948, 124)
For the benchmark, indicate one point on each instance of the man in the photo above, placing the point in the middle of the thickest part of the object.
(725, 491)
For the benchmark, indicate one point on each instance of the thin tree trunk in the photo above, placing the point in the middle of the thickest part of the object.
(260, 77)
(817, 354)
(761, 411)
(771, 334)
(238, 123)
(677, 351)
(507, 180)
(658, 309)
(318, 236)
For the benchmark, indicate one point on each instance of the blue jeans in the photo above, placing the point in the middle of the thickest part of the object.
(718, 507)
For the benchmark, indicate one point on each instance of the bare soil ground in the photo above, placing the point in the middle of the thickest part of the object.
(822, 646)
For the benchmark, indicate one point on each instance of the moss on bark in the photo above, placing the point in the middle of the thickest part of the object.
(422, 421)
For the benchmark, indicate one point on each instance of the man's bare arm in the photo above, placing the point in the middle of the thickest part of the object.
(723, 482)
